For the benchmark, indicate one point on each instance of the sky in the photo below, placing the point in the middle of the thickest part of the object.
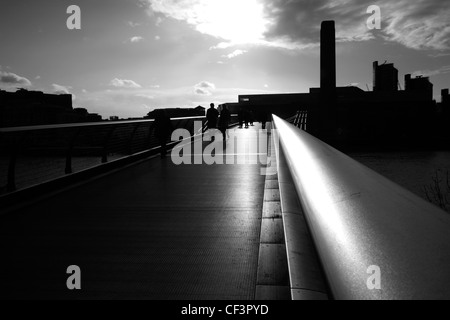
(132, 56)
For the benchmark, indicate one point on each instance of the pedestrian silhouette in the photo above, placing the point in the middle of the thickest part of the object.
(241, 117)
(263, 119)
(163, 129)
(224, 121)
(212, 115)
(246, 118)
(251, 117)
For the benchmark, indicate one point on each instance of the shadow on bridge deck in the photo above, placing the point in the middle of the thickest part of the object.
(153, 230)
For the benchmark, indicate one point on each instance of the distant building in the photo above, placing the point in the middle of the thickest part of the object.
(419, 85)
(385, 77)
(384, 116)
(443, 115)
(445, 97)
(350, 116)
(24, 108)
(200, 110)
(233, 107)
(180, 112)
(327, 57)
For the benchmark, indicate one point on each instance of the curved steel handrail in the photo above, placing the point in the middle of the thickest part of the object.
(359, 219)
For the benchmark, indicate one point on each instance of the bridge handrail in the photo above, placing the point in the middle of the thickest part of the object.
(367, 230)
(85, 124)
(89, 124)
(124, 137)
(119, 138)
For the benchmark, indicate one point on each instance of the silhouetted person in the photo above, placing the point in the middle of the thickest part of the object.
(163, 129)
(212, 115)
(224, 121)
(246, 118)
(251, 117)
(263, 118)
(241, 117)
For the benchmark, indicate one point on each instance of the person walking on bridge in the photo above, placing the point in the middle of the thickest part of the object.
(212, 115)
(224, 121)
(163, 129)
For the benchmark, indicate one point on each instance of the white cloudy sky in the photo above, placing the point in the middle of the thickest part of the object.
(132, 56)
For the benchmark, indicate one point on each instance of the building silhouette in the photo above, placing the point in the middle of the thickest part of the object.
(385, 77)
(443, 115)
(180, 112)
(349, 116)
(445, 97)
(328, 57)
(420, 85)
(25, 108)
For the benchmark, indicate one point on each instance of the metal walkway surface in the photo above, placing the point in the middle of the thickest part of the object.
(153, 230)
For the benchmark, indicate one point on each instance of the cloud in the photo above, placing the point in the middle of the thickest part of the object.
(206, 85)
(417, 24)
(235, 54)
(298, 22)
(222, 45)
(145, 96)
(295, 24)
(136, 39)
(58, 89)
(235, 21)
(158, 21)
(204, 88)
(439, 55)
(133, 24)
(202, 92)
(122, 83)
(157, 38)
(12, 79)
(430, 73)
(125, 103)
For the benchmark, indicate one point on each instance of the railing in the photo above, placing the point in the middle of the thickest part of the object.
(299, 119)
(375, 240)
(35, 154)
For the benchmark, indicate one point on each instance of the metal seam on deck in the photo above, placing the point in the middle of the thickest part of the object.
(273, 276)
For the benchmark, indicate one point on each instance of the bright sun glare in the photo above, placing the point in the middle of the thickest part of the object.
(238, 21)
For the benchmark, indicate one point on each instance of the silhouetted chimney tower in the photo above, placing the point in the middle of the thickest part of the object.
(445, 98)
(327, 57)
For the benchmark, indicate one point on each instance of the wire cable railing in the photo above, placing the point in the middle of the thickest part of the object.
(35, 154)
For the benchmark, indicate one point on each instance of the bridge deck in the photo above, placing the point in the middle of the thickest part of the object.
(153, 230)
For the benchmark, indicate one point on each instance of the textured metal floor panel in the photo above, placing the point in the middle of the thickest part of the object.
(151, 231)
